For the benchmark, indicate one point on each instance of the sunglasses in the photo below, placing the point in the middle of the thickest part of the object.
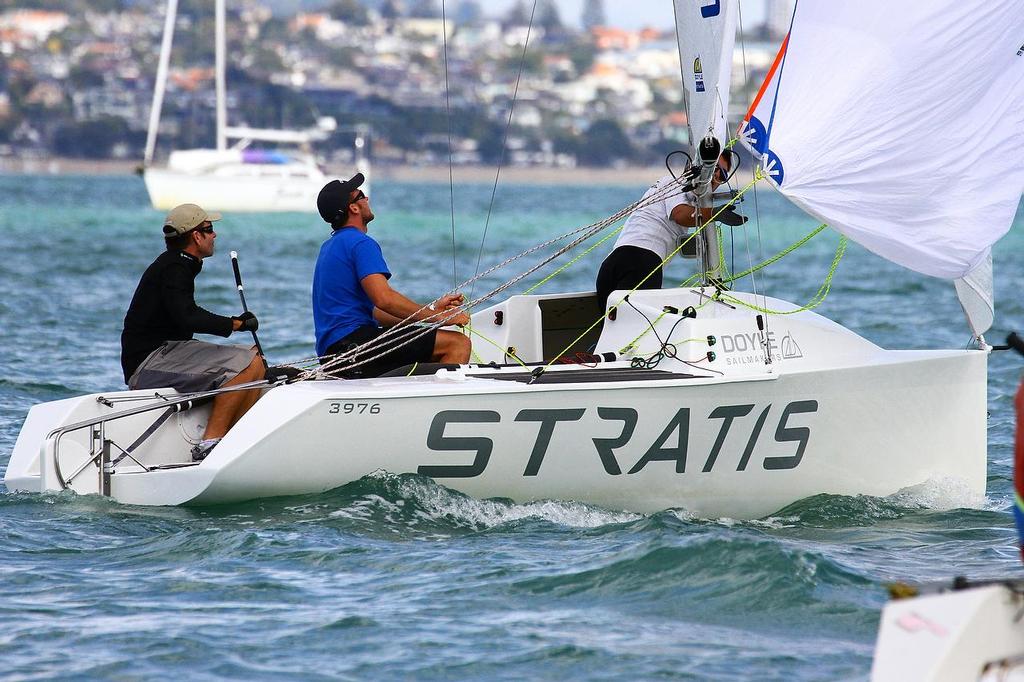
(204, 230)
(359, 197)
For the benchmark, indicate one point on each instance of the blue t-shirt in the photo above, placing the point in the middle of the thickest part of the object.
(340, 306)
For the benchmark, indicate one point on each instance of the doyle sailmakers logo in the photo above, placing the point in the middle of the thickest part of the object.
(1020, 52)
(747, 348)
(790, 350)
(698, 75)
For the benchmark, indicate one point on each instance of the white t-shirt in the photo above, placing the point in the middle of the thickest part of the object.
(651, 227)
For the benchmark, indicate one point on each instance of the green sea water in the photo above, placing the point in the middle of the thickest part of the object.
(395, 577)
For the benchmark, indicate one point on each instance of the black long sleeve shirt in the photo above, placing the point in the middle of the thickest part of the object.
(164, 309)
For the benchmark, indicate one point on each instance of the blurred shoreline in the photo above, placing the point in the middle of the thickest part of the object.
(629, 175)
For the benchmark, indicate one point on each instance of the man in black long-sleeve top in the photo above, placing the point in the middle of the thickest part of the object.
(157, 348)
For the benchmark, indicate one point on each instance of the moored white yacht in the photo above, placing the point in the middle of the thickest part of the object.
(242, 177)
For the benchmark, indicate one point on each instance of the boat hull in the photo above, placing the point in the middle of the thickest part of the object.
(736, 421)
(251, 193)
(742, 448)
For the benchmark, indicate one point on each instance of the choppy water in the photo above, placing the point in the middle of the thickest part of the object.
(398, 578)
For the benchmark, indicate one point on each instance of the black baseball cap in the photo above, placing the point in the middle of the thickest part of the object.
(333, 198)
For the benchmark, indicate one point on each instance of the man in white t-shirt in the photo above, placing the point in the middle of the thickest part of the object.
(653, 231)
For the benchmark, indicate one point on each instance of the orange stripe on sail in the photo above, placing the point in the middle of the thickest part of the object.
(768, 78)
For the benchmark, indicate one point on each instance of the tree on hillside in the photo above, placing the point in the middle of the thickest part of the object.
(93, 139)
(349, 11)
(603, 143)
(424, 9)
(549, 18)
(593, 14)
(391, 10)
(469, 13)
(517, 15)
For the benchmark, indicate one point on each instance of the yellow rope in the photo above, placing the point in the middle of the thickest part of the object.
(503, 350)
(758, 176)
(816, 300)
(572, 262)
(650, 327)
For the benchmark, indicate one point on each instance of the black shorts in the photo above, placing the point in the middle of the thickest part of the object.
(624, 268)
(421, 349)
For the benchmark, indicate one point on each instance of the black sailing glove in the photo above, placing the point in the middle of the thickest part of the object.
(249, 322)
(730, 217)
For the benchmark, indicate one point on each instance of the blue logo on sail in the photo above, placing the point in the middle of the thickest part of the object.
(712, 10)
(755, 135)
(772, 165)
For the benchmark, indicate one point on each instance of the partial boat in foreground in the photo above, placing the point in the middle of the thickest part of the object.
(966, 630)
(958, 633)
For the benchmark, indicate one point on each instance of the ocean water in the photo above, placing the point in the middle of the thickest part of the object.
(395, 577)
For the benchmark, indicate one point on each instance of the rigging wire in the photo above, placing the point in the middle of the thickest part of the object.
(448, 110)
(504, 143)
(757, 208)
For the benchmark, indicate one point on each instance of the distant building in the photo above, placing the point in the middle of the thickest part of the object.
(38, 24)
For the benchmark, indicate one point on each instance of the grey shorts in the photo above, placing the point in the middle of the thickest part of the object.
(191, 366)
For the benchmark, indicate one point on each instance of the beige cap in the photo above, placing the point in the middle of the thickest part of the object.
(185, 218)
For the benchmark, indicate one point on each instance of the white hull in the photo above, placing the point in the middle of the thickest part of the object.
(229, 181)
(277, 192)
(966, 635)
(839, 415)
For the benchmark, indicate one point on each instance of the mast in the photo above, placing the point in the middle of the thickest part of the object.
(221, 57)
(161, 81)
(705, 33)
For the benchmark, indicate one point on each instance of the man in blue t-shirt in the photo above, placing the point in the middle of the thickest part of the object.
(353, 303)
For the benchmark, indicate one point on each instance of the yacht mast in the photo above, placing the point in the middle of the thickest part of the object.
(705, 33)
(161, 81)
(221, 54)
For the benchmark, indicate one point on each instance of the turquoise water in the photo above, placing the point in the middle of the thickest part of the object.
(398, 578)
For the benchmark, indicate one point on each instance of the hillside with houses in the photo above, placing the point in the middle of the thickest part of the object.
(76, 80)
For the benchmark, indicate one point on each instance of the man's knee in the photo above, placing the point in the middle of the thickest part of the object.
(453, 346)
(462, 347)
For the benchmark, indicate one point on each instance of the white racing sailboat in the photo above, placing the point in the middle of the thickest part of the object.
(240, 178)
(721, 402)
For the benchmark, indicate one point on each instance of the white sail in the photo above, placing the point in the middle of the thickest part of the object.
(902, 127)
(977, 296)
(706, 32)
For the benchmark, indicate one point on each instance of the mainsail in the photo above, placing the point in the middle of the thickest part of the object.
(706, 32)
(900, 126)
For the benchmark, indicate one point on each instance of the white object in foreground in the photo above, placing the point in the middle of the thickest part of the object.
(965, 635)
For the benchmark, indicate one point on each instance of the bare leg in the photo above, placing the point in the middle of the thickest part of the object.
(452, 348)
(228, 408)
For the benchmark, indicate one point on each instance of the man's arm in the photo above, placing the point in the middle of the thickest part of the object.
(183, 309)
(386, 320)
(685, 215)
(391, 307)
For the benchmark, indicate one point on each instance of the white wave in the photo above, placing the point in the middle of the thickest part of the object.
(439, 503)
(943, 494)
